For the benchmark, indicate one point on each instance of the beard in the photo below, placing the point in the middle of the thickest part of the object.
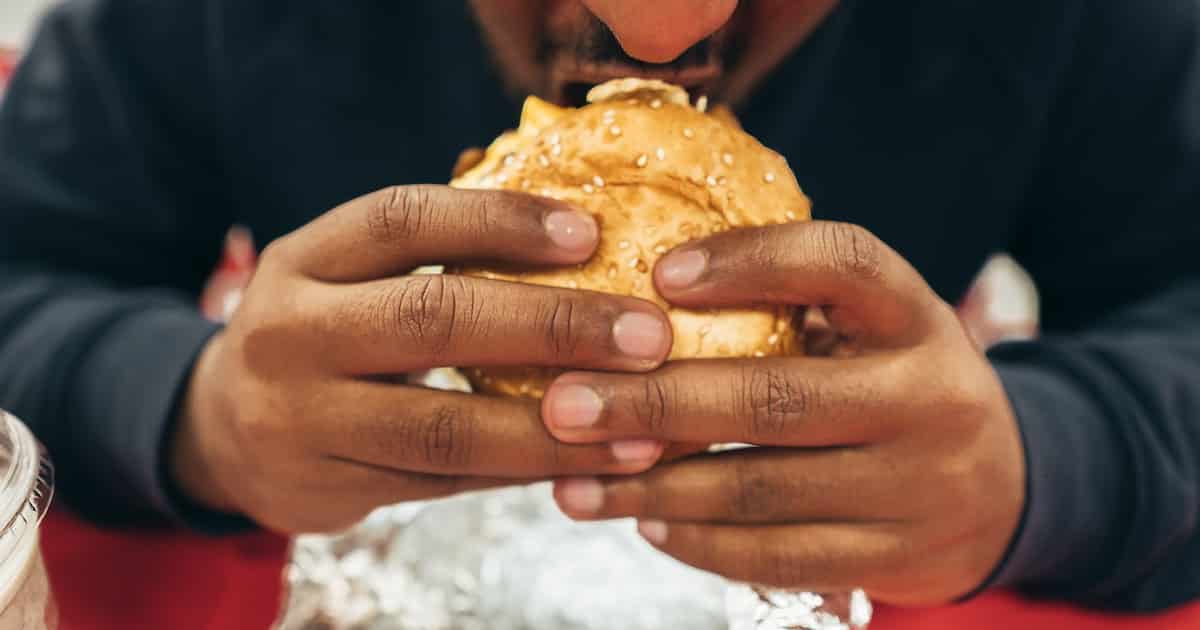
(584, 53)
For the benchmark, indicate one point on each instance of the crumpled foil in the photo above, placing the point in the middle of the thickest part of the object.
(509, 560)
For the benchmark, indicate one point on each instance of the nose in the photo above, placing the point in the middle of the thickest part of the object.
(659, 31)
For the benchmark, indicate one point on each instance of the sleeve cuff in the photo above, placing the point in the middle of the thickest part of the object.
(1073, 472)
(131, 381)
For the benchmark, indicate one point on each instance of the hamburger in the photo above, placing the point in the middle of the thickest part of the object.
(655, 171)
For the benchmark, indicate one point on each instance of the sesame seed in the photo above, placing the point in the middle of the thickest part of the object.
(633, 263)
(623, 245)
(509, 159)
(589, 189)
(702, 104)
(501, 178)
(661, 154)
(727, 159)
(656, 103)
(705, 329)
(710, 180)
(554, 138)
(556, 150)
(571, 284)
(791, 215)
(614, 130)
(609, 113)
(524, 388)
(688, 133)
(661, 249)
(759, 354)
(598, 181)
(612, 271)
(773, 339)
(769, 177)
(525, 183)
(545, 192)
(632, 101)
(543, 160)
(642, 160)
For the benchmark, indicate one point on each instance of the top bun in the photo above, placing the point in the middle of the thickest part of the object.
(655, 172)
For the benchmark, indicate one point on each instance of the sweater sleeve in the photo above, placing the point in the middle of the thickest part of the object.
(110, 218)
(1108, 400)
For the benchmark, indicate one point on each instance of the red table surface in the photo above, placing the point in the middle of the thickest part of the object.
(107, 580)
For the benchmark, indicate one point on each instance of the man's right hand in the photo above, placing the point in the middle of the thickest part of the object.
(291, 417)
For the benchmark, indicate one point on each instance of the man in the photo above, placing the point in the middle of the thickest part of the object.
(928, 134)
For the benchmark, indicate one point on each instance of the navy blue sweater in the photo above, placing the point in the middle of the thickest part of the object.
(1067, 133)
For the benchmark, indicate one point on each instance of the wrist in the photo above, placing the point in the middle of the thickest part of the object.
(194, 456)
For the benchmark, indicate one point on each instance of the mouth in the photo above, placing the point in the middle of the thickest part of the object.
(572, 79)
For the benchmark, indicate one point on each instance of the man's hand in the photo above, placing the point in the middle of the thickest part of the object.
(293, 415)
(896, 466)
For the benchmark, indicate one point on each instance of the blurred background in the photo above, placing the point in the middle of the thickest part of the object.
(16, 20)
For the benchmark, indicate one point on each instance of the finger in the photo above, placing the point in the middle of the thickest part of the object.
(394, 230)
(820, 557)
(423, 321)
(750, 486)
(413, 429)
(870, 291)
(349, 491)
(768, 401)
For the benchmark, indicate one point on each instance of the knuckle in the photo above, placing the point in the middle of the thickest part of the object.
(489, 211)
(762, 251)
(275, 255)
(398, 213)
(777, 403)
(431, 311)
(565, 325)
(959, 405)
(779, 567)
(756, 496)
(651, 405)
(851, 249)
(444, 440)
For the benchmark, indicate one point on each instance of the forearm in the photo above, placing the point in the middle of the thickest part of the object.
(97, 374)
(1111, 424)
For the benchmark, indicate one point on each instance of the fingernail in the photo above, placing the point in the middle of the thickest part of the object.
(582, 495)
(640, 335)
(653, 531)
(680, 269)
(572, 231)
(573, 406)
(630, 451)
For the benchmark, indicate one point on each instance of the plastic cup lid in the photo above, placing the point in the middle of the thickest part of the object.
(26, 486)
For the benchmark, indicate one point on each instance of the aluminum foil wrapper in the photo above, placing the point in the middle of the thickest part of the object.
(509, 560)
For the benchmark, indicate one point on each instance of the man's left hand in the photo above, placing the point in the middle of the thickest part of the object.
(895, 465)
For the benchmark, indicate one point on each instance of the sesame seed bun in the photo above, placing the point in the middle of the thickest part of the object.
(655, 172)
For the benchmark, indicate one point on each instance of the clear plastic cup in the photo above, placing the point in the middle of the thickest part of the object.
(26, 485)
